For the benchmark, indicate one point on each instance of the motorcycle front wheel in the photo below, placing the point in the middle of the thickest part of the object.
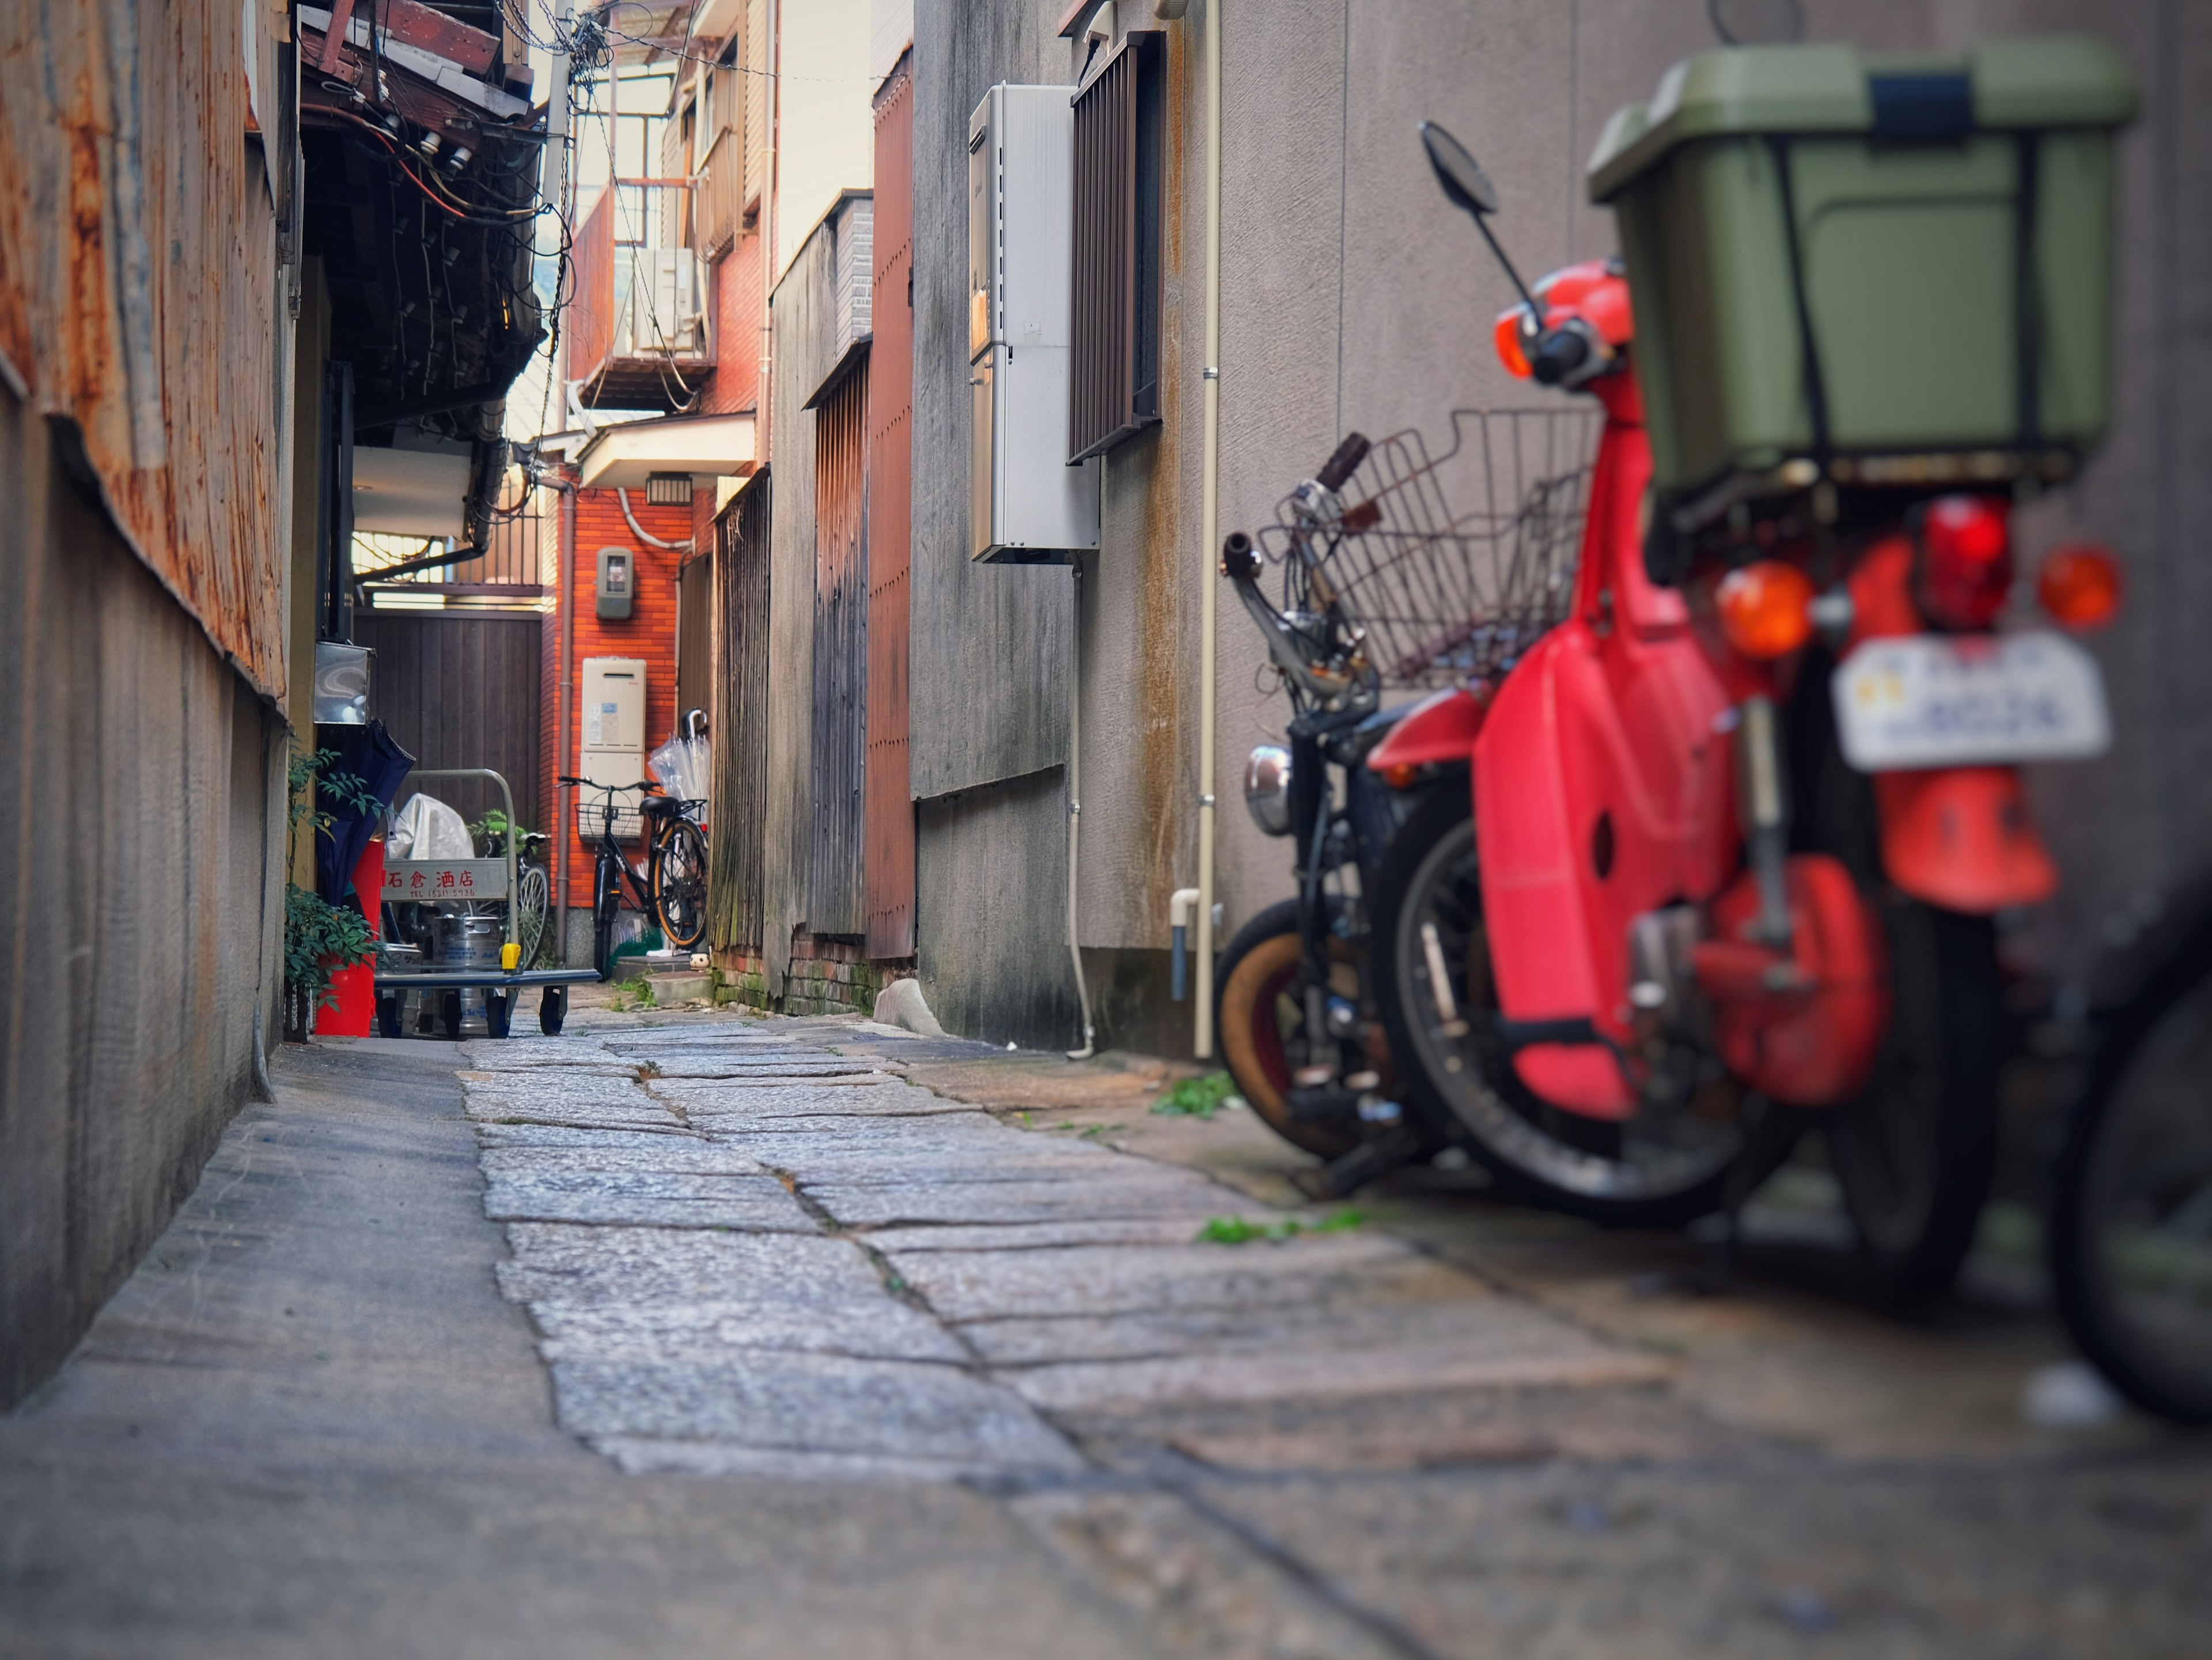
(1651, 1170)
(2131, 1206)
(1261, 1021)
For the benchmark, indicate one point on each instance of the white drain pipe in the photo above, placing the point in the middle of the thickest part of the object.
(1075, 810)
(1210, 534)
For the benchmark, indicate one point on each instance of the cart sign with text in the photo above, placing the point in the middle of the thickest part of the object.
(450, 880)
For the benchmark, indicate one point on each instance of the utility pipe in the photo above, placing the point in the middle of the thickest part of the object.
(1210, 515)
(638, 530)
(562, 797)
(1075, 810)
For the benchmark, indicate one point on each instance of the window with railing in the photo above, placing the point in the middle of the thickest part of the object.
(1113, 390)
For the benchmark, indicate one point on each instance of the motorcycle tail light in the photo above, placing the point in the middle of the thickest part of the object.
(1766, 608)
(2080, 586)
(1966, 561)
(1511, 349)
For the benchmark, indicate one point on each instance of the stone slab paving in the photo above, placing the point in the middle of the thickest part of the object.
(750, 1253)
(761, 1250)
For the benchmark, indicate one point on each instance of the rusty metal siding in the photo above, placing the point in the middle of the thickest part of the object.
(462, 691)
(738, 826)
(887, 863)
(140, 298)
(589, 337)
(142, 797)
(836, 904)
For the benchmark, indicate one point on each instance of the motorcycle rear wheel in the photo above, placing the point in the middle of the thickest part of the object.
(1261, 1019)
(1914, 1154)
(1643, 1173)
(2131, 1210)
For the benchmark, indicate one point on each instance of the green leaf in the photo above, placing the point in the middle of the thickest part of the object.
(1196, 1097)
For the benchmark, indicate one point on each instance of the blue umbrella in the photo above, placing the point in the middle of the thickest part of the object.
(370, 754)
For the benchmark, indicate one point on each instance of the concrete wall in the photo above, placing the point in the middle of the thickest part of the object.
(143, 800)
(1354, 297)
(825, 139)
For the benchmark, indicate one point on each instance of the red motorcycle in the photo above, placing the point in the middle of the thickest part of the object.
(1737, 840)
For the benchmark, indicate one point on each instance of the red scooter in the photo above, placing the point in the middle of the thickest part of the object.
(1737, 841)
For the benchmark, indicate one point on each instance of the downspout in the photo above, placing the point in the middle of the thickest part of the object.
(1075, 810)
(562, 816)
(1210, 515)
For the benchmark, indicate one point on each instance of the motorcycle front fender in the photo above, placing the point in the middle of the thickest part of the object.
(1435, 731)
(1961, 837)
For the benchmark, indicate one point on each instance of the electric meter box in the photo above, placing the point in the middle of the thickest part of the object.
(1898, 271)
(612, 730)
(617, 584)
(1027, 506)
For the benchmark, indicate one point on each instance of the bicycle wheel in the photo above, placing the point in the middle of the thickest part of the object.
(2131, 1212)
(606, 899)
(532, 913)
(679, 883)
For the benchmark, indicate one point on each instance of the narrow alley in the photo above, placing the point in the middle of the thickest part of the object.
(684, 1333)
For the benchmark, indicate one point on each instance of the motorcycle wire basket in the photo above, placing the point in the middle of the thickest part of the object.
(1443, 569)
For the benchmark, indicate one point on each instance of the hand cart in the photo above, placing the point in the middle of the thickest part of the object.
(470, 880)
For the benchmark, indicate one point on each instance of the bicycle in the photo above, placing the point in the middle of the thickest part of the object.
(672, 886)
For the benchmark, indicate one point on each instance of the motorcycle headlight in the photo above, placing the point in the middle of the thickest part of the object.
(1267, 789)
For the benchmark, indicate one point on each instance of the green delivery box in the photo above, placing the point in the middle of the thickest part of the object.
(1884, 273)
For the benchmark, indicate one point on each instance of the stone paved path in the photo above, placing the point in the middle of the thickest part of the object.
(746, 1254)
(697, 1334)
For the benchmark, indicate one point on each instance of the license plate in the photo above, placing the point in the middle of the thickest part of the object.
(1927, 700)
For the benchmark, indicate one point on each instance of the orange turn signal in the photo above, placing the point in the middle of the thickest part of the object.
(1401, 777)
(2080, 586)
(1766, 608)
(1510, 352)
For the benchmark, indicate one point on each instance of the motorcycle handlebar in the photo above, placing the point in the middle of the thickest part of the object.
(1344, 462)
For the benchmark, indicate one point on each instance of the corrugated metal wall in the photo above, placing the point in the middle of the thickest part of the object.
(888, 858)
(737, 829)
(462, 691)
(837, 902)
(139, 291)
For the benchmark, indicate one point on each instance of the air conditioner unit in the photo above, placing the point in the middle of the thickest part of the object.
(664, 302)
(1027, 505)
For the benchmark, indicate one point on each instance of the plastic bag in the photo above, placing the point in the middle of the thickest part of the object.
(681, 765)
(426, 828)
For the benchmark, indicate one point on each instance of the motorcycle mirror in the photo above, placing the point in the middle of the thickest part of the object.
(1458, 171)
(1468, 186)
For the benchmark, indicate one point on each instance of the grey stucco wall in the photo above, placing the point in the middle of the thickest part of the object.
(142, 797)
(1385, 324)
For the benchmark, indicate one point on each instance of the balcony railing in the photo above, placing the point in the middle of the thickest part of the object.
(637, 326)
(720, 203)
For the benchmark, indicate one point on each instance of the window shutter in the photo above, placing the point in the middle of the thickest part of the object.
(1113, 390)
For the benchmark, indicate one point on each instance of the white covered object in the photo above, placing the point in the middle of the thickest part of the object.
(426, 828)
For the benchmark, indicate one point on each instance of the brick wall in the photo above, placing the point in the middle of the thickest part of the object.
(828, 975)
(650, 632)
(740, 311)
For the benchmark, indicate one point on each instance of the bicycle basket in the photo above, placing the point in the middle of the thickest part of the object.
(1447, 567)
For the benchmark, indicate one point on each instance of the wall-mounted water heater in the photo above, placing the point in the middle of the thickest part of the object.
(1027, 505)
